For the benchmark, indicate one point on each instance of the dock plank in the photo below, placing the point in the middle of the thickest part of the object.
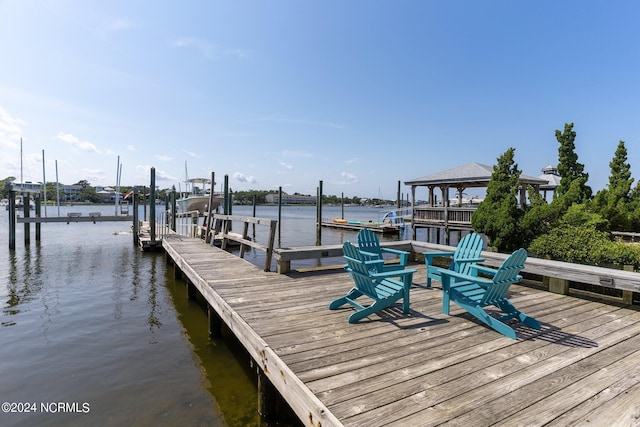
(424, 368)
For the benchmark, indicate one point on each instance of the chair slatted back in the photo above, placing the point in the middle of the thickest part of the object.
(469, 248)
(368, 242)
(360, 271)
(507, 274)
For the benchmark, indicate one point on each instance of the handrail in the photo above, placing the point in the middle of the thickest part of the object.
(223, 224)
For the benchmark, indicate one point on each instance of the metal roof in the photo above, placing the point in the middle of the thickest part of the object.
(470, 175)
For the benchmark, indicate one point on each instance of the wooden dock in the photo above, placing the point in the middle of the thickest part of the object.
(426, 368)
(357, 225)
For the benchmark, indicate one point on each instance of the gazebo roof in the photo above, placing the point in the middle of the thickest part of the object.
(470, 175)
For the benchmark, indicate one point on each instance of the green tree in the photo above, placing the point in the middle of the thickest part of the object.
(613, 202)
(498, 215)
(568, 167)
(88, 194)
(3, 186)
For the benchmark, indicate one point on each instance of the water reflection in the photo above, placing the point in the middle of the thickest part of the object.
(86, 317)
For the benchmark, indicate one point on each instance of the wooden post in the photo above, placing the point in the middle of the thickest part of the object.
(253, 200)
(341, 205)
(225, 208)
(136, 231)
(398, 199)
(152, 206)
(144, 202)
(215, 322)
(38, 215)
(627, 296)
(191, 290)
(279, 210)
(558, 286)
(12, 218)
(319, 214)
(209, 216)
(173, 209)
(27, 226)
(266, 395)
(272, 237)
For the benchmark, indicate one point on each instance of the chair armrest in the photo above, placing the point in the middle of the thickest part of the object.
(464, 277)
(429, 256)
(394, 273)
(395, 251)
(467, 260)
(368, 254)
(486, 270)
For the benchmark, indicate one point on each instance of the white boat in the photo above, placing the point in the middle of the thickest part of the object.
(197, 199)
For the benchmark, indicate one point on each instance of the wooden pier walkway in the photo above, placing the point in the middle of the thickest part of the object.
(426, 368)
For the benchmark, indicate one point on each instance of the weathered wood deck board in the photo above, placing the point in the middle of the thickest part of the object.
(424, 368)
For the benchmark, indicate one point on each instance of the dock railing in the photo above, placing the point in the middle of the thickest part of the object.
(221, 230)
(555, 275)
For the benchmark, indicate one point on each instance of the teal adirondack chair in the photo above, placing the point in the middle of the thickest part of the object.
(369, 246)
(473, 293)
(384, 288)
(466, 255)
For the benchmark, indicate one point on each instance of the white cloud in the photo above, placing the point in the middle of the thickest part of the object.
(74, 141)
(349, 177)
(164, 158)
(192, 154)
(131, 148)
(10, 129)
(209, 50)
(201, 45)
(160, 174)
(240, 177)
(294, 153)
(279, 118)
(287, 166)
(350, 161)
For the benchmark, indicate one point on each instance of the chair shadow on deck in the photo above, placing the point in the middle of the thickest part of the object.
(395, 316)
(554, 335)
(548, 333)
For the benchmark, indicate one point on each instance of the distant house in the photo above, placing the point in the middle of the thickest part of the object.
(71, 193)
(107, 194)
(290, 199)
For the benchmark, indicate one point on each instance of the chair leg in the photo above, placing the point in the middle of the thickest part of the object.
(339, 302)
(506, 306)
(373, 308)
(492, 322)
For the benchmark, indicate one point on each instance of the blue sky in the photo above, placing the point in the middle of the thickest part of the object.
(358, 94)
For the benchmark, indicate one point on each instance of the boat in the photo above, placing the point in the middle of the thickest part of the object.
(198, 198)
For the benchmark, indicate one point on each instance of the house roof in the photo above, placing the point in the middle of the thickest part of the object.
(470, 175)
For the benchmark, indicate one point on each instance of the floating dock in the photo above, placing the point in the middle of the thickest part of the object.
(376, 227)
(425, 368)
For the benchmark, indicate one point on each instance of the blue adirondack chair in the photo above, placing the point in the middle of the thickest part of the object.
(473, 293)
(369, 246)
(384, 288)
(466, 255)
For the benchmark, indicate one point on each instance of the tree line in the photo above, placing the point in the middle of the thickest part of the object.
(575, 226)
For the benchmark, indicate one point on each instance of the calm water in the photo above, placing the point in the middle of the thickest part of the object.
(98, 333)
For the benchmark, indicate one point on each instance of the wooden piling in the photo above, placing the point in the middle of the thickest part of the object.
(215, 322)
(27, 226)
(136, 221)
(152, 207)
(266, 395)
(12, 218)
(38, 214)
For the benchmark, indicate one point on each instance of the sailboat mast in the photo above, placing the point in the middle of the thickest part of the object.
(44, 185)
(21, 177)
